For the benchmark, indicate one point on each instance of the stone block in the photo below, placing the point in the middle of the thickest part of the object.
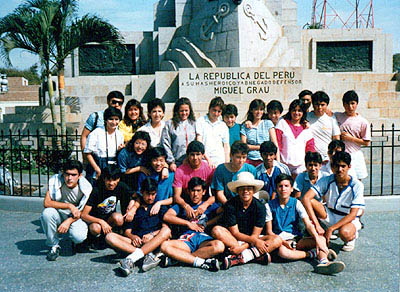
(221, 41)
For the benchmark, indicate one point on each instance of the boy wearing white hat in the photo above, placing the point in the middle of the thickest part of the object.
(243, 221)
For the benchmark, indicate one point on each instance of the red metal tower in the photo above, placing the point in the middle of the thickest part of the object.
(353, 14)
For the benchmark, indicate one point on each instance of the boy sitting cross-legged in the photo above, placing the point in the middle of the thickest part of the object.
(144, 234)
(286, 212)
(194, 247)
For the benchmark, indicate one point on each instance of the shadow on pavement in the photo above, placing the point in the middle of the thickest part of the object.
(35, 247)
(108, 259)
(37, 223)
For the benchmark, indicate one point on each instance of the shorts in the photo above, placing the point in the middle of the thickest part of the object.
(194, 239)
(358, 164)
(288, 236)
(333, 218)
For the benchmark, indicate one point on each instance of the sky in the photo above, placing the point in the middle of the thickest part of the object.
(137, 15)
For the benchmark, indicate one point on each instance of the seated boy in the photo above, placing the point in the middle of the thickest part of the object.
(274, 111)
(286, 214)
(214, 134)
(229, 114)
(194, 247)
(100, 211)
(228, 172)
(143, 235)
(344, 197)
(270, 169)
(333, 147)
(308, 178)
(242, 224)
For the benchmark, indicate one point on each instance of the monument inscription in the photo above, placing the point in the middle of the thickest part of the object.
(201, 84)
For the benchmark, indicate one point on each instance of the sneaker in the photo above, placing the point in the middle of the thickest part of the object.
(265, 259)
(150, 261)
(330, 268)
(211, 264)
(349, 246)
(167, 261)
(54, 253)
(232, 260)
(126, 266)
(331, 255)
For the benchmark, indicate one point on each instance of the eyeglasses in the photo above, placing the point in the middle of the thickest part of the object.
(115, 101)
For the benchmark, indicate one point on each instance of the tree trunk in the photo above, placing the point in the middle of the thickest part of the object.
(61, 86)
(51, 103)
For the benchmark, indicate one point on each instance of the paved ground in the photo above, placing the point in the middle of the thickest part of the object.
(372, 266)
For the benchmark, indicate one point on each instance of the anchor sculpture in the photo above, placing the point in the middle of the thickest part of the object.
(206, 33)
(248, 10)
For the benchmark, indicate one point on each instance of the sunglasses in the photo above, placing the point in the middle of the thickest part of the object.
(114, 101)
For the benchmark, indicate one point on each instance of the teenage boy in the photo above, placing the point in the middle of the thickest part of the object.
(229, 115)
(286, 214)
(270, 168)
(355, 132)
(324, 127)
(305, 96)
(143, 235)
(274, 111)
(100, 211)
(344, 198)
(194, 165)
(214, 134)
(194, 247)
(306, 179)
(333, 147)
(96, 119)
(229, 171)
(66, 196)
(243, 220)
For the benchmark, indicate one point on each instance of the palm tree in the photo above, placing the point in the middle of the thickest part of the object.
(29, 28)
(70, 33)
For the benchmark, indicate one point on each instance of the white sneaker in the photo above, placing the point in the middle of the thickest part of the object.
(349, 246)
(330, 268)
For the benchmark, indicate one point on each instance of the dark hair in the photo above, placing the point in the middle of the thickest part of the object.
(182, 101)
(111, 171)
(304, 93)
(195, 146)
(274, 105)
(336, 144)
(141, 119)
(148, 185)
(138, 135)
(239, 147)
(319, 96)
(284, 176)
(350, 95)
(255, 104)
(341, 156)
(268, 147)
(111, 112)
(155, 102)
(73, 164)
(156, 152)
(303, 107)
(217, 101)
(313, 157)
(196, 181)
(115, 94)
(230, 109)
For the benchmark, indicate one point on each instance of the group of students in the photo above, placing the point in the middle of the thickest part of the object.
(211, 193)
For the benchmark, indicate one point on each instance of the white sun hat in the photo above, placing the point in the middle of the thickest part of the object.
(245, 179)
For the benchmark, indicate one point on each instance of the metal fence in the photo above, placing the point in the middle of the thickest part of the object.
(27, 161)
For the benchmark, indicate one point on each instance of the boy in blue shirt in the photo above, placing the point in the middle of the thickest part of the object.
(194, 247)
(270, 168)
(229, 115)
(286, 212)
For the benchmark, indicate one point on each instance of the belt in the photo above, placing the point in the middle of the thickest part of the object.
(338, 212)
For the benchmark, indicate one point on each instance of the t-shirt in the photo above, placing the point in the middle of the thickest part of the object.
(71, 196)
(256, 136)
(234, 134)
(105, 202)
(223, 176)
(154, 136)
(302, 183)
(144, 223)
(91, 123)
(246, 219)
(214, 136)
(184, 173)
(164, 187)
(323, 128)
(269, 179)
(356, 126)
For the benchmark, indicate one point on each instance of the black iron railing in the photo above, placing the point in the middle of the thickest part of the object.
(27, 160)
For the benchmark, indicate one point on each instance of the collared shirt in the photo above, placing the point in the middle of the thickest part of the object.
(302, 183)
(154, 136)
(256, 136)
(214, 136)
(164, 187)
(127, 160)
(98, 144)
(352, 196)
(91, 123)
(144, 223)
(269, 179)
